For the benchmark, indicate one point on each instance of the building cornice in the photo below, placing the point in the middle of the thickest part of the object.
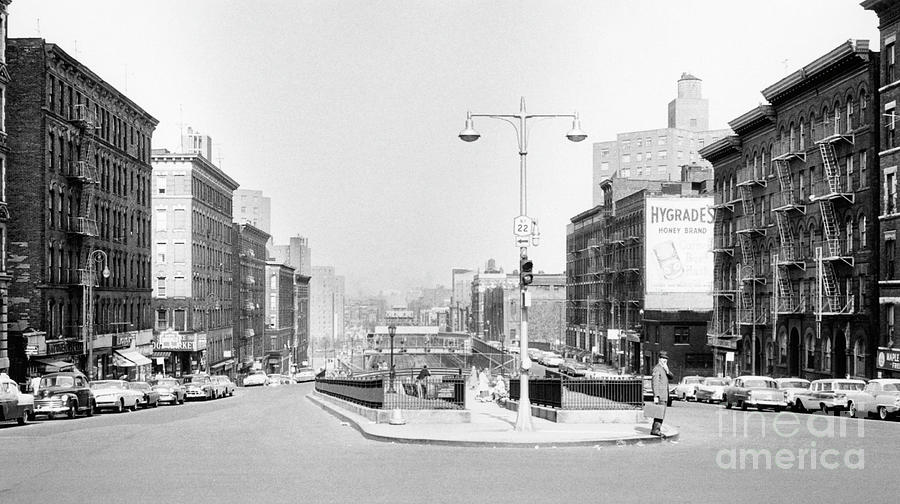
(849, 52)
(721, 148)
(888, 11)
(754, 118)
(215, 171)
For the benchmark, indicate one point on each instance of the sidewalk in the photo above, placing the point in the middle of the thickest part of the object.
(492, 425)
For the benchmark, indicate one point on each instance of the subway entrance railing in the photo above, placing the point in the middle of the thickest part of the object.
(567, 393)
(434, 392)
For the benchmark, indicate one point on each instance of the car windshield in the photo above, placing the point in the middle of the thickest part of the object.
(199, 379)
(891, 387)
(57, 381)
(138, 386)
(108, 384)
(849, 386)
(759, 384)
(716, 382)
(692, 380)
(167, 383)
(794, 384)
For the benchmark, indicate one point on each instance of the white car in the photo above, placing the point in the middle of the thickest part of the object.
(792, 387)
(687, 388)
(828, 395)
(304, 375)
(115, 395)
(711, 389)
(880, 397)
(551, 359)
(256, 380)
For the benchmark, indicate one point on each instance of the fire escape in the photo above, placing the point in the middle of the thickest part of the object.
(750, 226)
(721, 331)
(834, 252)
(788, 207)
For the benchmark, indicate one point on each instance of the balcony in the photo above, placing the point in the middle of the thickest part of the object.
(836, 250)
(752, 223)
(789, 200)
(83, 226)
(757, 316)
(723, 243)
(722, 328)
(837, 305)
(749, 176)
(723, 201)
(792, 150)
(792, 304)
(83, 172)
(84, 117)
(836, 188)
(792, 254)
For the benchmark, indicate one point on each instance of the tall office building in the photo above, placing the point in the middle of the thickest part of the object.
(295, 254)
(659, 154)
(251, 207)
(326, 291)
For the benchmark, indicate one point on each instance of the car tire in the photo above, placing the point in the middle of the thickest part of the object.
(882, 413)
(823, 408)
(22, 420)
(73, 410)
(851, 410)
(798, 406)
(727, 402)
(120, 406)
(90, 409)
(135, 407)
(743, 405)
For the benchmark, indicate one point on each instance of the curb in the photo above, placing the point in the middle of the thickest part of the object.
(337, 412)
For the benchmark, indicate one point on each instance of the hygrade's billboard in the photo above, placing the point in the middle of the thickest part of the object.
(678, 253)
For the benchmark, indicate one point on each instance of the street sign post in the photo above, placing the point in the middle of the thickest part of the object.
(523, 225)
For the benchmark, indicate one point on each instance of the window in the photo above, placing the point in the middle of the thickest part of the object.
(162, 322)
(850, 172)
(161, 219)
(161, 287)
(637, 143)
(859, 358)
(180, 252)
(862, 232)
(180, 286)
(161, 184)
(180, 320)
(890, 321)
(662, 169)
(862, 169)
(890, 255)
(679, 155)
(682, 335)
(626, 144)
(626, 158)
(179, 219)
(161, 252)
(693, 123)
(890, 130)
(661, 154)
(890, 191)
(604, 166)
(648, 156)
(625, 173)
(782, 349)
(603, 153)
(826, 354)
(810, 351)
(661, 141)
(890, 59)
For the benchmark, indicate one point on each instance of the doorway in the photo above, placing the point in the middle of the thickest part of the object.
(840, 355)
(794, 353)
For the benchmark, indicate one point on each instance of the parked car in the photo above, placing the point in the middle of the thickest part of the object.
(573, 368)
(710, 389)
(759, 392)
(278, 379)
(880, 397)
(14, 405)
(226, 384)
(115, 395)
(598, 371)
(687, 388)
(792, 387)
(150, 397)
(256, 380)
(828, 395)
(64, 392)
(170, 390)
(304, 375)
(200, 386)
(551, 359)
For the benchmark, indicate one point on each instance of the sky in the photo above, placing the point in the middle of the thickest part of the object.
(346, 113)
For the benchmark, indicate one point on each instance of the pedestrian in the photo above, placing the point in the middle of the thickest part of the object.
(422, 382)
(661, 377)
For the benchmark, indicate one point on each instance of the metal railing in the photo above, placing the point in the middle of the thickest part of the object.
(432, 392)
(568, 393)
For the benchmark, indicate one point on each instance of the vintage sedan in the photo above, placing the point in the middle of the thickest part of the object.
(226, 384)
(170, 390)
(711, 389)
(256, 380)
(200, 386)
(278, 379)
(880, 397)
(760, 392)
(304, 375)
(14, 405)
(64, 392)
(828, 395)
(115, 395)
(573, 368)
(150, 397)
(687, 388)
(792, 387)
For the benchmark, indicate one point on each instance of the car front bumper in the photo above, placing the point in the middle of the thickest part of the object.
(766, 403)
(196, 394)
(50, 408)
(168, 397)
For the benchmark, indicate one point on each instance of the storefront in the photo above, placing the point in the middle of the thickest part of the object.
(178, 354)
(132, 364)
(887, 362)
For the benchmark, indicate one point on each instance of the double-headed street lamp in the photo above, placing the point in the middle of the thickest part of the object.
(392, 331)
(95, 257)
(519, 122)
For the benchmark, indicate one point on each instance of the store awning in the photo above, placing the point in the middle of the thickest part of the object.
(53, 363)
(128, 358)
(160, 354)
(221, 364)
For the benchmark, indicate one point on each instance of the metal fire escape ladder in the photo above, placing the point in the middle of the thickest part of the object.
(790, 254)
(788, 199)
(833, 178)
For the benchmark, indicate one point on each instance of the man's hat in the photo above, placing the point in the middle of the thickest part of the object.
(663, 355)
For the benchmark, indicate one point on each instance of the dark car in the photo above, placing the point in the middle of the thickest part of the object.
(170, 390)
(64, 392)
(151, 396)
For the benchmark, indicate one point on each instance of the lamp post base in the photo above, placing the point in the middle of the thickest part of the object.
(523, 418)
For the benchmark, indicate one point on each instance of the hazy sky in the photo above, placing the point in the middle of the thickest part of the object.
(346, 113)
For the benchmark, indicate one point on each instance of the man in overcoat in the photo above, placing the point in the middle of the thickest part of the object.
(661, 377)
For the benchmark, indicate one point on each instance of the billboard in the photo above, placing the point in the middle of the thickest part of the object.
(678, 273)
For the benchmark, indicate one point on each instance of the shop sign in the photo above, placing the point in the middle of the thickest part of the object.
(888, 359)
(180, 342)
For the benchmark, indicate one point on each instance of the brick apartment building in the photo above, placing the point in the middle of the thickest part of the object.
(796, 193)
(278, 343)
(4, 211)
(81, 150)
(250, 320)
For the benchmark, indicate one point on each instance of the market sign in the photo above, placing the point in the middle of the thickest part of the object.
(888, 359)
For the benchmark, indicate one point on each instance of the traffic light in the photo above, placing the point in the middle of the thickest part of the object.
(525, 268)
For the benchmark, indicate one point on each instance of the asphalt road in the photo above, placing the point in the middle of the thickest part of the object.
(272, 445)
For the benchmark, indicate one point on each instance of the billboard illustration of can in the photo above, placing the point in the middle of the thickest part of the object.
(678, 253)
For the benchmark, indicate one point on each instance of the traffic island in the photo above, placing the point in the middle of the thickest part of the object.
(487, 425)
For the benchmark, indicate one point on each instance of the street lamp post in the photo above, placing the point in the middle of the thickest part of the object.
(87, 303)
(392, 330)
(212, 299)
(520, 123)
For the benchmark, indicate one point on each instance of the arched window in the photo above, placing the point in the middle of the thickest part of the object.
(859, 357)
(826, 354)
(849, 235)
(810, 351)
(838, 119)
(862, 232)
(849, 108)
(793, 138)
(863, 103)
(826, 122)
(812, 125)
(782, 348)
(802, 136)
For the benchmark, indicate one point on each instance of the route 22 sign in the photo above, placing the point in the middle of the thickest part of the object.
(523, 225)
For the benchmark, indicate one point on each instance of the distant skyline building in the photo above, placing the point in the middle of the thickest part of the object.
(252, 207)
(659, 154)
(295, 254)
(326, 291)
